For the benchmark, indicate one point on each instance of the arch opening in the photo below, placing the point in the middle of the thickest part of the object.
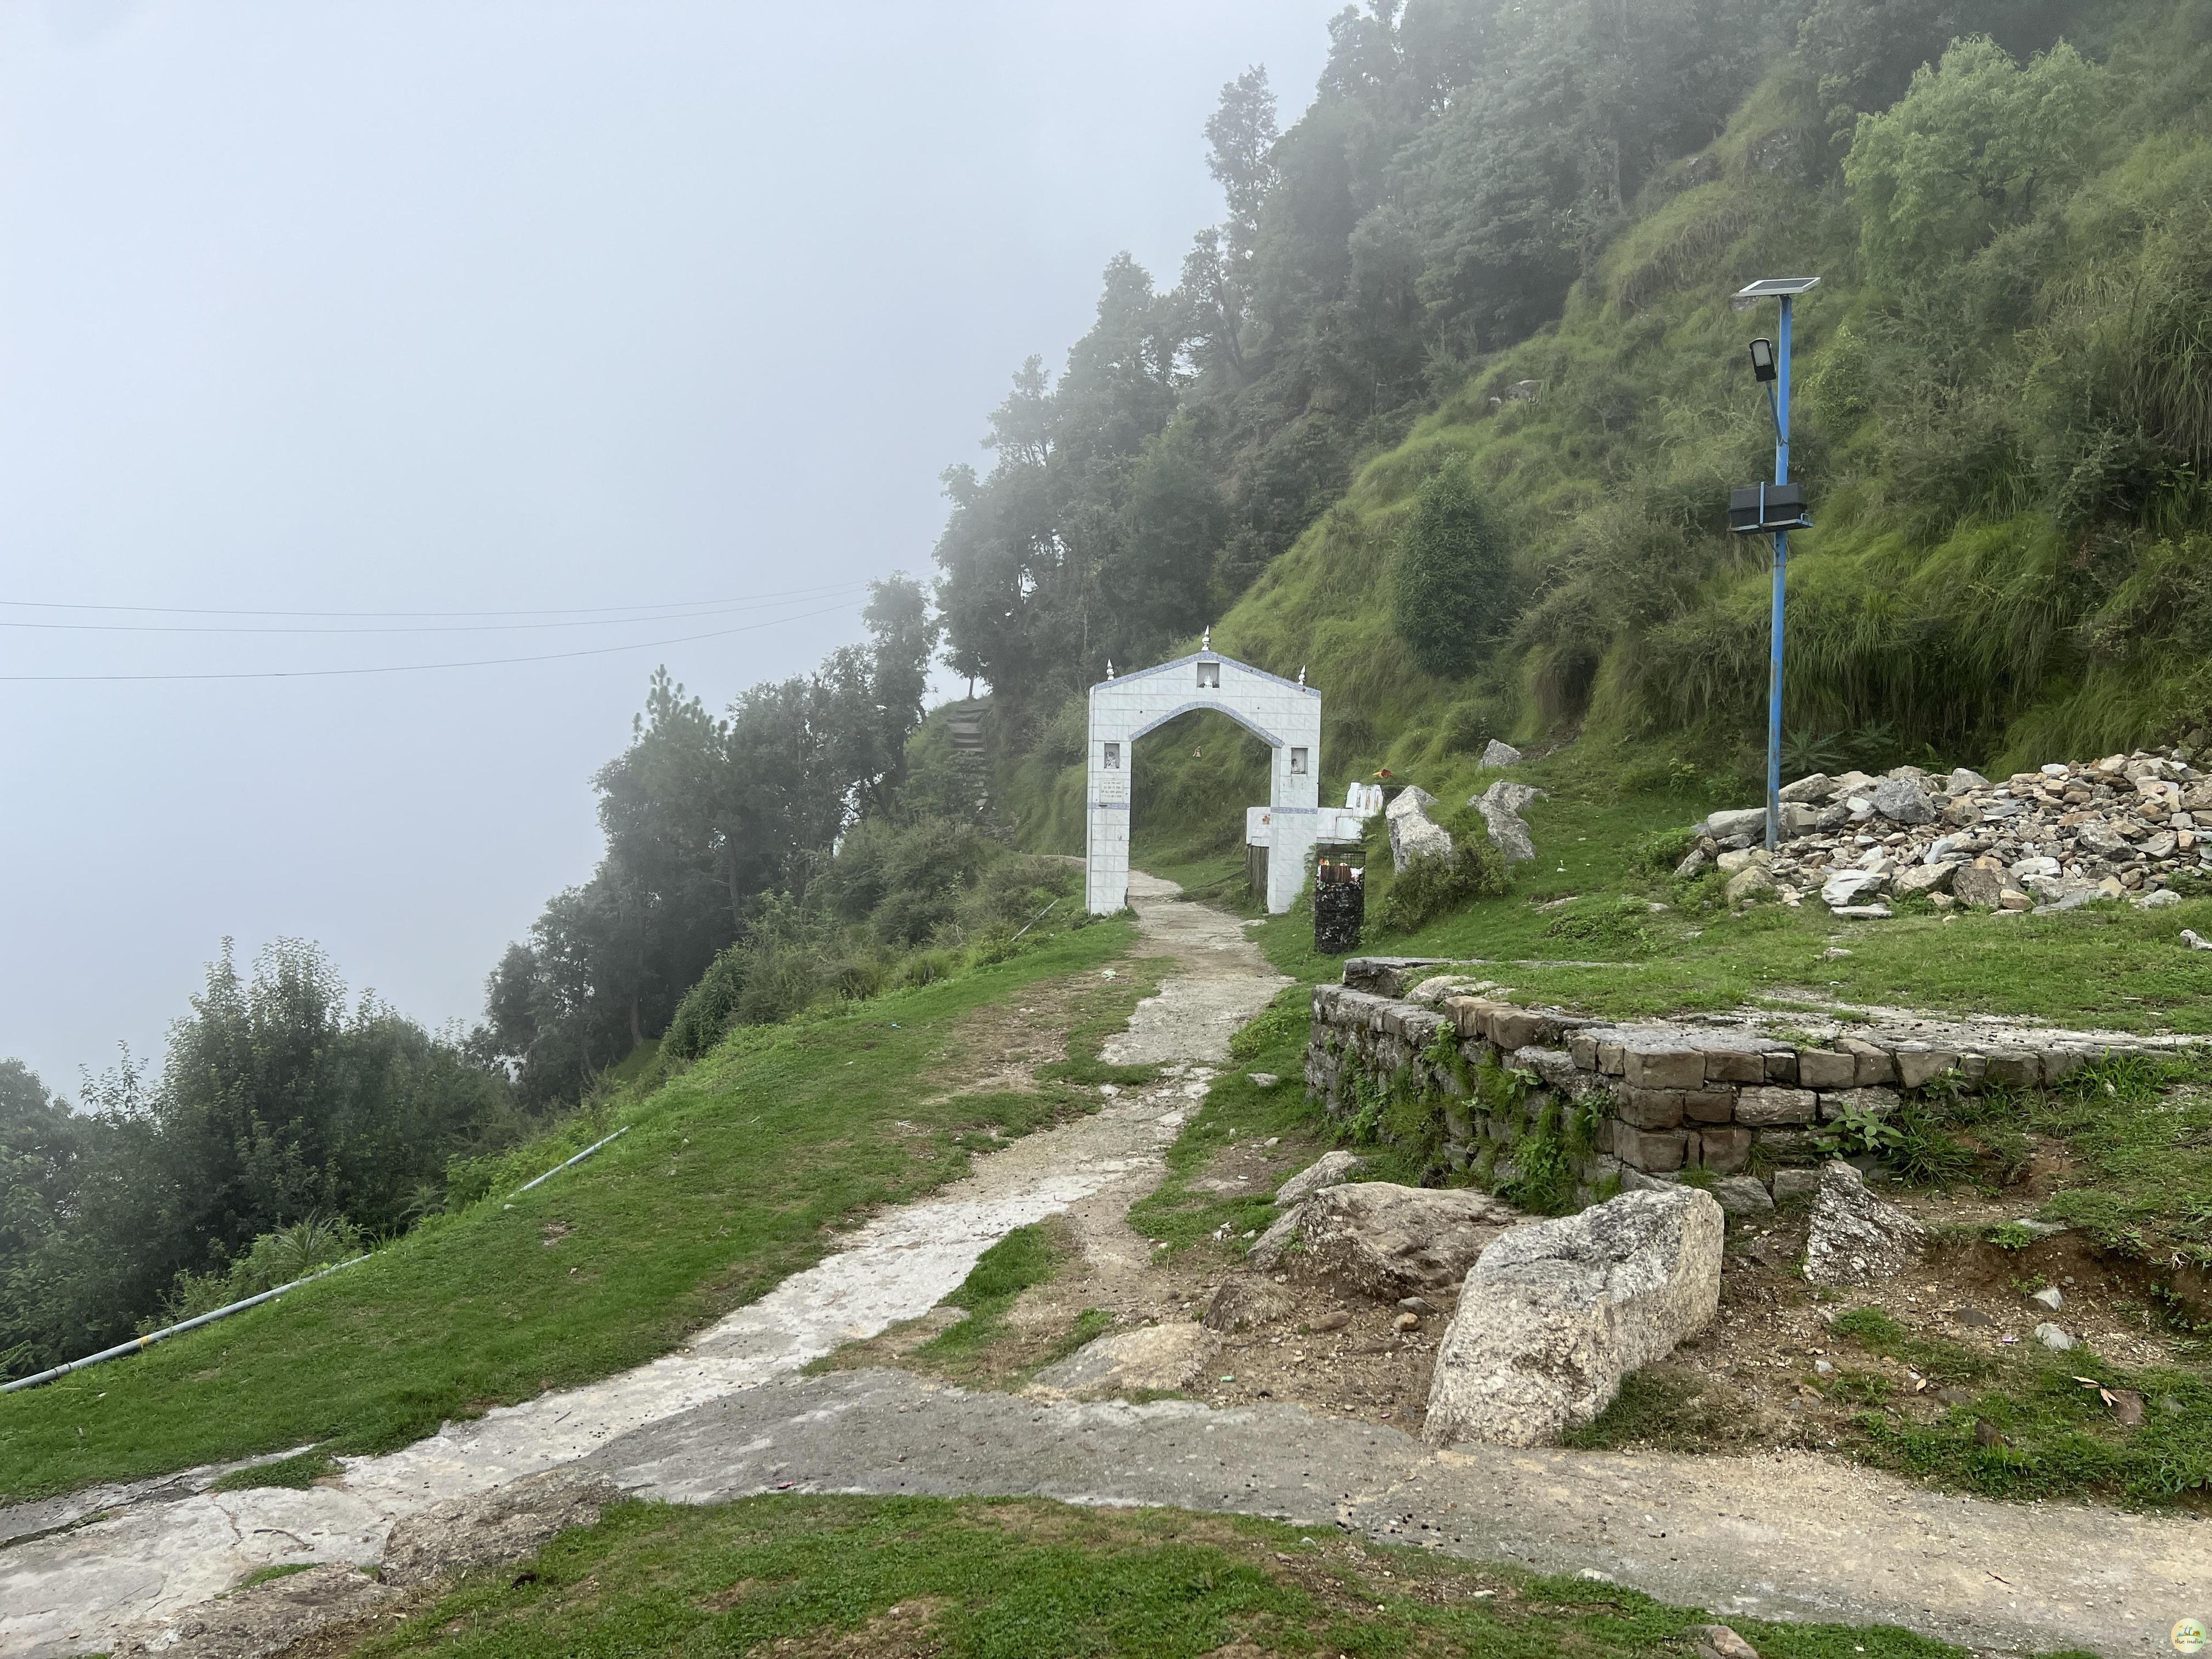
(1282, 714)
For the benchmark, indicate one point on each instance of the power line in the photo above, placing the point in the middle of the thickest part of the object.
(732, 609)
(414, 668)
(576, 610)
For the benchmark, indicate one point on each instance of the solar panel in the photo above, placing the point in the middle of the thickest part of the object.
(1771, 287)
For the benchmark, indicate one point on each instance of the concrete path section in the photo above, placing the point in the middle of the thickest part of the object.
(1792, 1537)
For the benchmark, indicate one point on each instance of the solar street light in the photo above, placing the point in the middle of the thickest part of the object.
(1776, 509)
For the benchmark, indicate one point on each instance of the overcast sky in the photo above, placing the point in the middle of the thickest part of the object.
(459, 306)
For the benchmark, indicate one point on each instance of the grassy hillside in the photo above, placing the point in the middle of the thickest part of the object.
(734, 1175)
(2003, 407)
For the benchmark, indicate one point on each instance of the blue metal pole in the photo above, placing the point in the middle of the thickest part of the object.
(1780, 582)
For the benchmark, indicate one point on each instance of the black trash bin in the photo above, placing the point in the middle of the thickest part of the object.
(1339, 906)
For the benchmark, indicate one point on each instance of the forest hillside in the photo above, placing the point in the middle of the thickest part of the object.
(1473, 303)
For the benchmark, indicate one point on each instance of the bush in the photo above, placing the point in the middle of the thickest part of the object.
(279, 1258)
(1436, 885)
(1452, 580)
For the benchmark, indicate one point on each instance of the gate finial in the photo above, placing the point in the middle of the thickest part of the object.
(1205, 640)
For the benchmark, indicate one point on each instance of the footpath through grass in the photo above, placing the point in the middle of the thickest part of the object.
(1021, 1578)
(734, 1175)
(1606, 853)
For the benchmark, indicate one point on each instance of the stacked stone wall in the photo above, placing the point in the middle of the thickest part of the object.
(1660, 1098)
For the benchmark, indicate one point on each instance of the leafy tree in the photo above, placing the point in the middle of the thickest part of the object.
(1966, 151)
(1452, 583)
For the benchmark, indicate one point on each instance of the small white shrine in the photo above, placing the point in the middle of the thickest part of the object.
(1284, 714)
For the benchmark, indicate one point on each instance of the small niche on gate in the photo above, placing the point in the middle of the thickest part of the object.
(1209, 677)
(1112, 761)
(1297, 763)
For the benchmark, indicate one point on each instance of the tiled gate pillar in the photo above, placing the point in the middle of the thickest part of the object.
(1284, 715)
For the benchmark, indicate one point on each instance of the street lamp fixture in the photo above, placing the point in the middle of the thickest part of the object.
(1776, 509)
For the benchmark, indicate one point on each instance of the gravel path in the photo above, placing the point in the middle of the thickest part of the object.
(1784, 1537)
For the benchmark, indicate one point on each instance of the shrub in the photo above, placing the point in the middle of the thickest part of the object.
(1452, 579)
(1435, 884)
(279, 1258)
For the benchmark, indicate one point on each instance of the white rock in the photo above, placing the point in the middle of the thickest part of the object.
(1557, 1312)
(1413, 833)
(2157, 899)
(1814, 789)
(1326, 1172)
(1412, 799)
(1501, 805)
(1745, 821)
(1963, 782)
(2053, 1337)
(1856, 1237)
(2050, 1297)
(1372, 1238)
(1849, 886)
(1157, 1356)
(1495, 753)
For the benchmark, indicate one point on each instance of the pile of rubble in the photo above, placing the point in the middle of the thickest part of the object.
(2120, 828)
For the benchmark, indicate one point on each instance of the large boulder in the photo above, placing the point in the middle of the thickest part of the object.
(1327, 1170)
(1371, 1238)
(1495, 753)
(1557, 1312)
(1856, 1237)
(1413, 833)
(504, 1524)
(1501, 806)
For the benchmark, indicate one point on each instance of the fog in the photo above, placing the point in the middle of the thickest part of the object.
(466, 307)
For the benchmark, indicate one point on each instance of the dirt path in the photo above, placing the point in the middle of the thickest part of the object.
(165, 1547)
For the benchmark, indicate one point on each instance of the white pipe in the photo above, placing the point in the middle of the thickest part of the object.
(138, 1345)
(579, 1158)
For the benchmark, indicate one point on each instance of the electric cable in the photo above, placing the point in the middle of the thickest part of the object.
(414, 668)
(573, 610)
(733, 609)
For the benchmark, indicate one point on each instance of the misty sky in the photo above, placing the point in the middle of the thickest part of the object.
(455, 306)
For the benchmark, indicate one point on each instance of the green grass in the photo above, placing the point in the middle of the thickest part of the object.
(734, 1175)
(2110, 966)
(1016, 1579)
(296, 1474)
(2056, 1436)
(2031, 1428)
(1024, 1257)
(263, 1575)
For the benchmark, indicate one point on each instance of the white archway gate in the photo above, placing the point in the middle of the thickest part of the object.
(1282, 714)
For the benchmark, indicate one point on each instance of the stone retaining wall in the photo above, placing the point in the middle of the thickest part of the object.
(1724, 1095)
